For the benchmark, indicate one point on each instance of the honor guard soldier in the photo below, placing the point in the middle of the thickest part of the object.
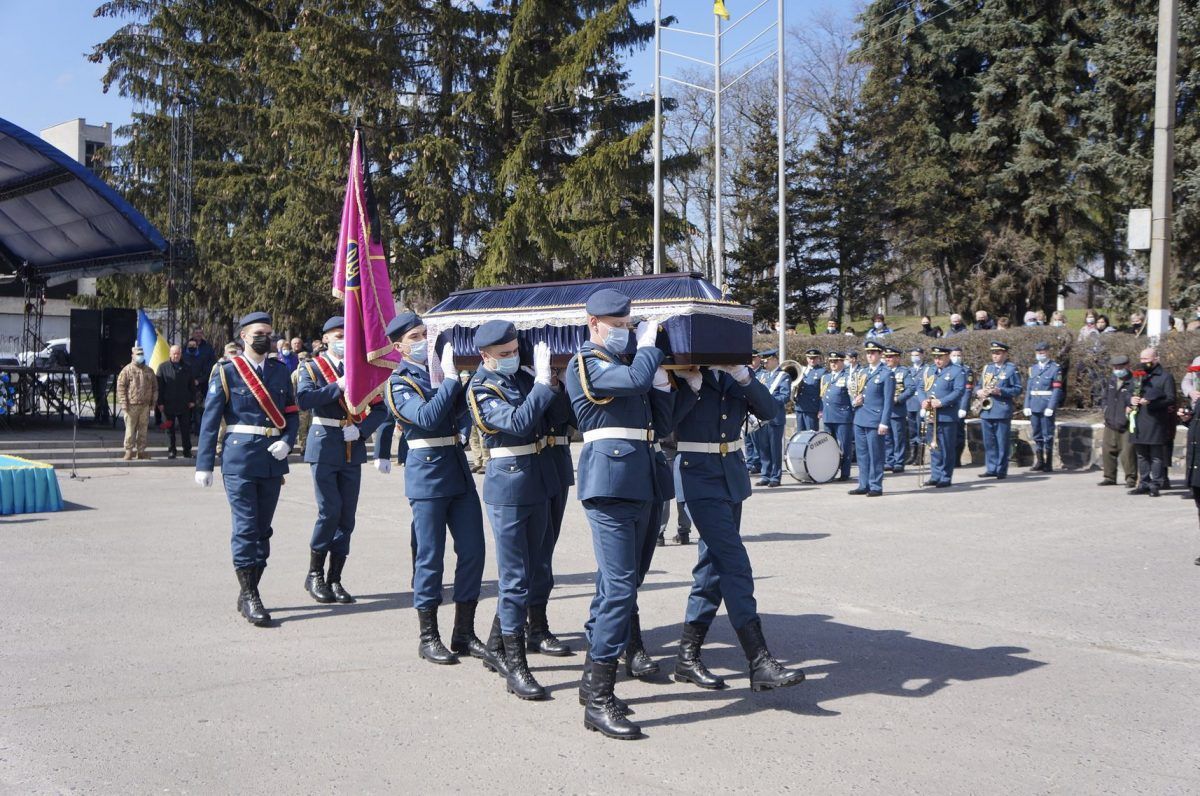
(770, 435)
(916, 370)
(610, 394)
(941, 390)
(895, 447)
(514, 411)
(807, 399)
(964, 403)
(836, 412)
(714, 484)
(1043, 396)
(427, 400)
(335, 451)
(253, 395)
(753, 455)
(873, 400)
(999, 384)
(540, 639)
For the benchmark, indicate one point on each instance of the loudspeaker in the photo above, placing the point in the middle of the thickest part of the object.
(85, 341)
(118, 335)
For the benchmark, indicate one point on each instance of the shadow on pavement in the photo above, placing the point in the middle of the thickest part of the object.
(779, 536)
(851, 661)
(366, 604)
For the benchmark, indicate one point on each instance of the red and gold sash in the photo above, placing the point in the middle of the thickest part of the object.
(259, 391)
(331, 377)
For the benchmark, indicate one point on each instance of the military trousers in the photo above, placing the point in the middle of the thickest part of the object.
(895, 444)
(844, 434)
(722, 571)
(619, 535)
(337, 487)
(807, 421)
(541, 579)
(771, 451)
(431, 518)
(753, 454)
(252, 503)
(1118, 449)
(997, 447)
(914, 428)
(684, 523)
(942, 458)
(1043, 433)
(137, 420)
(519, 532)
(868, 442)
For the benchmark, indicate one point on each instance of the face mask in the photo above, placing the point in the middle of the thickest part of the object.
(139, 360)
(1057, 323)
(508, 365)
(1042, 358)
(192, 349)
(831, 328)
(617, 340)
(924, 324)
(915, 360)
(955, 359)
(1090, 321)
(878, 324)
(260, 343)
(1147, 365)
(1120, 374)
(338, 347)
(418, 351)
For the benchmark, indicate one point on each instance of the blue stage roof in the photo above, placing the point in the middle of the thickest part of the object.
(64, 221)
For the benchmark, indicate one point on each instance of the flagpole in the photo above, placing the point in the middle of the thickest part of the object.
(781, 133)
(719, 248)
(658, 184)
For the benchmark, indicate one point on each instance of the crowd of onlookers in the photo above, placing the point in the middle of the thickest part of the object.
(1095, 323)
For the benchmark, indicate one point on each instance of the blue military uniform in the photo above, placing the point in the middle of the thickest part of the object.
(541, 582)
(336, 467)
(947, 384)
(807, 398)
(1043, 397)
(250, 470)
(917, 373)
(836, 411)
(896, 443)
(964, 405)
(875, 410)
(996, 418)
(753, 454)
(770, 434)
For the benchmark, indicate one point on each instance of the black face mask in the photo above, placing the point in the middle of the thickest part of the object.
(925, 324)
(192, 348)
(260, 343)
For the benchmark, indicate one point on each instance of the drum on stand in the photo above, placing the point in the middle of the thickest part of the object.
(812, 457)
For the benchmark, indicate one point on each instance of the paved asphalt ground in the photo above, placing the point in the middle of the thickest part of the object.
(1033, 636)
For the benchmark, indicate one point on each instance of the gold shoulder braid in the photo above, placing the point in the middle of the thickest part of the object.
(391, 399)
(583, 380)
(473, 405)
(825, 384)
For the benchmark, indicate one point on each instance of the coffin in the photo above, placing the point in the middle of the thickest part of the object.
(696, 326)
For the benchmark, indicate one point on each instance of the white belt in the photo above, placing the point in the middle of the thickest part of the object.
(614, 432)
(261, 431)
(520, 450)
(433, 442)
(553, 442)
(709, 447)
(656, 448)
(327, 421)
(1041, 392)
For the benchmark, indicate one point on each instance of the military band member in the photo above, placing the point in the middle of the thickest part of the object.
(1043, 396)
(610, 394)
(873, 410)
(807, 392)
(253, 395)
(941, 390)
(335, 451)
(770, 436)
(427, 405)
(714, 485)
(895, 449)
(753, 454)
(916, 369)
(836, 411)
(964, 403)
(514, 411)
(1000, 383)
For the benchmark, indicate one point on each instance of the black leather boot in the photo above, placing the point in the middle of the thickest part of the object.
(765, 672)
(683, 537)
(336, 562)
(688, 666)
(540, 638)
(585, 688)
(463, 640)
(249, 603)
(601, 713)
(495, 660)
(1048, 461)
(431, 647)
(1038, 462)
(520, 680)
(637, 662)
(315, 582)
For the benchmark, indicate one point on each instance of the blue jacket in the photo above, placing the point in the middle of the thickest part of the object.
(808, 391)
(906, 389)
(716, 415)
(1045, 388)
(915, 374)
(878, 396)
(512, 411)
(964, 403)
(947, 385)
(325, 444)
(617, 396)
(561, 454)
(667, 409)
(1008, 381)
(246, 454)
(779, 384)
(835, 398)
(425, 413)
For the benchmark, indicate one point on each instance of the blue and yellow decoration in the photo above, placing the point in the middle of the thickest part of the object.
(27, 487)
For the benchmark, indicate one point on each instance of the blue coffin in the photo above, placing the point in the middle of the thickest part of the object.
(698, 327)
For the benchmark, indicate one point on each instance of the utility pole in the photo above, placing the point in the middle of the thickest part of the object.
(1158, 294)
(658, 151)
(781, 133)
(719, 254)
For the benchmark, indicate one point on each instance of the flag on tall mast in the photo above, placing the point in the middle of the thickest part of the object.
(719, 10)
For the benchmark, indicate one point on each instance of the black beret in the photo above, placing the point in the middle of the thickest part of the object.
(254, 317)
(608, 302)
(398, 326)
(336, 322)
(495, 333)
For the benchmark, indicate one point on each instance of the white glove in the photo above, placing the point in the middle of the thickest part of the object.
(204, 478)
(646, 334)
(661, 380)
(962, 413)
(741, 373)
(436, 374)
(1049, 413)
(448, 360)
(923, 413)
(384, 466)
(350, 433)
(341, 383)
(693, 379)
(541, 363)
(883, 429)
(1027, 412)
(279, 449)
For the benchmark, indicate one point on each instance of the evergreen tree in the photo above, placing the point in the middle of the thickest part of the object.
(753, 281)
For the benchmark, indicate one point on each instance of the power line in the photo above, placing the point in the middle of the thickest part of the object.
(902, 34)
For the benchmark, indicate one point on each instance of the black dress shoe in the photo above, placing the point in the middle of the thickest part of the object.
(171, 454)
(1001, 477)
(986, 475)
(754, 471)
(1107, 482)
(874, 493)
(897, 469)
(841, 478)
(1153, 491)
(1197, 561)
(772, 484)
(1139, 490)
(761, 482)
(859, 491)
(942, 484)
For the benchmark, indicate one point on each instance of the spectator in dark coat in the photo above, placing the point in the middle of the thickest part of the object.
(983, 322)
(177, 399)
(956, 325)
(200, 357)
(1190, 413)
(928, 329)
(1153, 399)
(1118, 449)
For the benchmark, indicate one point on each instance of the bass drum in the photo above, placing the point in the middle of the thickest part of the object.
(812, 457)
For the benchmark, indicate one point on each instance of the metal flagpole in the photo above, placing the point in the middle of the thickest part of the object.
(1158, 298)
(719, 248)
(781, 132)
(658, 184)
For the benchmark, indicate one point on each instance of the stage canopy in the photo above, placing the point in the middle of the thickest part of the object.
(64, 221)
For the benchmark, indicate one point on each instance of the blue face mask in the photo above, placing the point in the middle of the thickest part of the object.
(1120, 374)
(419, 351)
(338, 347)
(508, 365)
(617, 340)
(1042, 358)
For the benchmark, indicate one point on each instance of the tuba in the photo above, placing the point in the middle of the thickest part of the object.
(797, 372)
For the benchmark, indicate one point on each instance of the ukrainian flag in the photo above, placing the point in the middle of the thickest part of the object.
(153, 344)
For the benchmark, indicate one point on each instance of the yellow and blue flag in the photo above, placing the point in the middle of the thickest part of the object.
(153, 344)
